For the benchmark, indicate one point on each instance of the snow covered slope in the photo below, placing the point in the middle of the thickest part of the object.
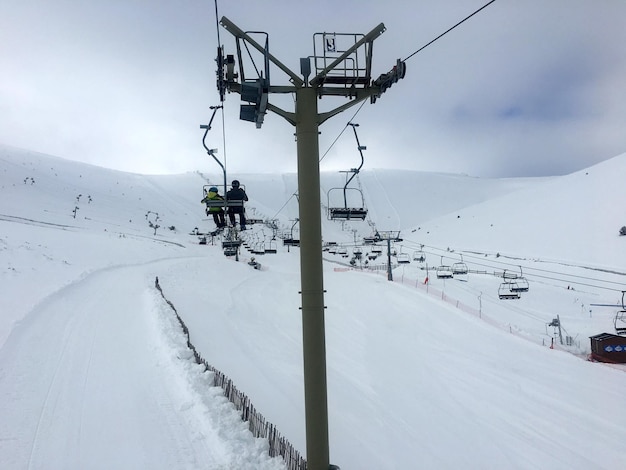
(95, 374)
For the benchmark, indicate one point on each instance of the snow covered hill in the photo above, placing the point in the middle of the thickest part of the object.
(94, 373)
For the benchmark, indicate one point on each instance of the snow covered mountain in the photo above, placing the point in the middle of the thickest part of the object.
(94, 372)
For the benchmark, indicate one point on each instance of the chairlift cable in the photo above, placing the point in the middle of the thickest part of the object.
(283, 206)
(343, 130)
(219, 44)
(329, 148)
(217, 25)
(530, 268)
(548, 271)
(555, 275)
(256, 69)
(446, 32)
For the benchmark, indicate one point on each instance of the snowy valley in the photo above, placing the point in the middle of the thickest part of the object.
(423, 372)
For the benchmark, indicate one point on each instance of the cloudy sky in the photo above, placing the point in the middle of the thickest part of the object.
(523, 88)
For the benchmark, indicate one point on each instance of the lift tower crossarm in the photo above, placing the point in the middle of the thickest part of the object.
(360, 96)
(289, 117)
(368, 38)
(239, 33)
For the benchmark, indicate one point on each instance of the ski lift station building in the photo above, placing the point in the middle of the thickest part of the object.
(607, 347)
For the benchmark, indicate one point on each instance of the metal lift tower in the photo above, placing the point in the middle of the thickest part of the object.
(341, 64)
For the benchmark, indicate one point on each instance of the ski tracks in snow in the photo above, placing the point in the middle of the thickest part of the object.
(382, 192)
(87, 372)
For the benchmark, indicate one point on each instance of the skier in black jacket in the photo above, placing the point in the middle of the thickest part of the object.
(237, 193)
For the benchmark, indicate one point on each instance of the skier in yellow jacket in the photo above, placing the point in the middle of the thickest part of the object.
(216, 211)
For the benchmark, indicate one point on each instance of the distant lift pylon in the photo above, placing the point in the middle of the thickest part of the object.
(346, 212)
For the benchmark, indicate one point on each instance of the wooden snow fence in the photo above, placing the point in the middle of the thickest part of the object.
(257, 424)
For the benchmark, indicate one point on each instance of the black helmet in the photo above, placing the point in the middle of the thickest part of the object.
(235, 183)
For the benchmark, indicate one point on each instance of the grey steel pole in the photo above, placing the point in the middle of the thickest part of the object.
(312, 281)
(389, 272)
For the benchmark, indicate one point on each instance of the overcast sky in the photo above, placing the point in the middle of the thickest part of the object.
(523, 88)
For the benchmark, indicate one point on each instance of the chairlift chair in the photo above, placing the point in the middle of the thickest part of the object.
(520, 285)
(507, 291)
(222, 192)
(212, 152)
(271, 248)
(349, 212)
(231, 243)
(419, 256)
(444, 272)
(289, 240)
(403, 258)
(258, 248)
(460, 267)
(230, 251)
(620, 322)
(345, 212)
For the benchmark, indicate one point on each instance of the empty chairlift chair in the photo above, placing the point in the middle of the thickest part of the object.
(271, 247)
(349, 211)
(258, 248)
(444, 271)
(230, 251)
(507, 291)
(403, 258)
(377, 250)
(520, 283)
(460, 268)
(290, 240)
